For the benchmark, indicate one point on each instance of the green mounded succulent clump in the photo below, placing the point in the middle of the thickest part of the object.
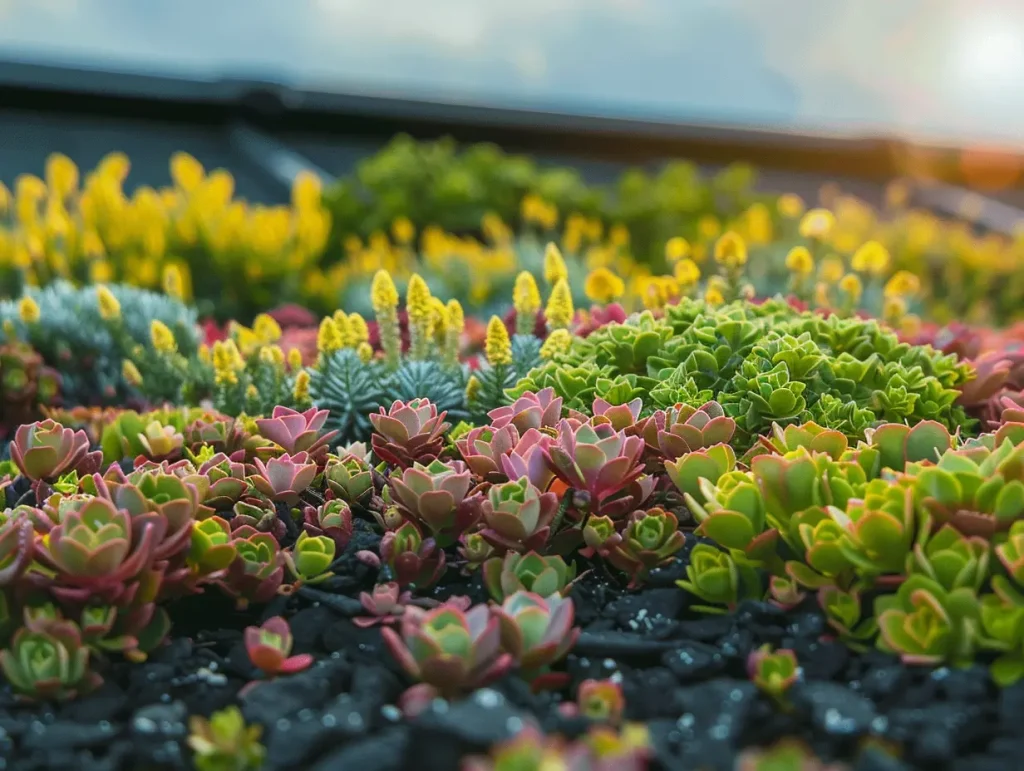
(766, 364)
(86, 350)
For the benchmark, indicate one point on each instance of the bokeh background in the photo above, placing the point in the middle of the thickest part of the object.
(929, 70)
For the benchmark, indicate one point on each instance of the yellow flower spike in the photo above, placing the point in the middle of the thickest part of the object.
(162, 337)
(731, 251)
(403, 231)
(61, 175)
(357, 325)
(817, 224)
(300, 390)
(306, 188)
(383, 294)
(328, 338)
(799, 261)
(676, 249)
(497, 346)
(902, 284)
(790, 206)
(172, 282)
(453, 335)
(472, 388)
(365, 352)
(28, 310)
(893, 309)
(559, 311)
(603, 286)
(687, 273)
(187, 172)
(851, 286)
(109, 307)
(525, 295)
(871, 258)
(267, 330)
(294, 359)
(821, 295)
(344, 329)
(557, 342)
(272, 355)
(713, 296)
(131, 373)
(421, 317)
(204, 353)
(708, 227)
(554, 265)
(252, 393)
(831, 269)
(439, 321)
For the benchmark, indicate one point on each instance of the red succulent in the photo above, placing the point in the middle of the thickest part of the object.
(269, 647)
(45, 450)
(408, 433)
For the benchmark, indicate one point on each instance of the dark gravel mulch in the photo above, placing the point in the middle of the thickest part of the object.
(682, 673)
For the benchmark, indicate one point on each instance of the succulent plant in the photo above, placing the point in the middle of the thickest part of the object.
(978, 491)
(225, 742)
(773, 672)
(952, 559)
(259, 514)
(720, 579)
(844, 613)
(149, 491)
(310, 557)
(711, 463)
(527, 459)
(531, 410)
(1011, 553)
(333, 519)
(385, 604)
(412, 559)
(809, 436)
(211, 550)
(925, 624)
(349, 390)
(255, 573)
(436, 497)
(284, 478)
(46, 660)
(17, 537)
(601, 700)
(1002, 630)
(650, 539)
(621, 417)
(349, 478)
(879, 528)
(46, 450)
(595, 459)
(538, 632)
(408, 433)
(483, 448)
(448, 651)
(518, 516)
(898, 444)
(296, 432)
(96, 549)
(683, 429)
(784, 755)
(529, 572)
(269, 647)
(132, 435)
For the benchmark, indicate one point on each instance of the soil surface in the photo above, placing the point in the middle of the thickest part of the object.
(683, 673)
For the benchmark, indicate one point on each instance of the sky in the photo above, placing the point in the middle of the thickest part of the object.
(926, 69)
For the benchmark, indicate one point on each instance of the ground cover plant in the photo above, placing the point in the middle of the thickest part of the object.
(719, 517)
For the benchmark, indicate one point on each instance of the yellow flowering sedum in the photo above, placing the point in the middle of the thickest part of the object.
(109, 307)
(731, 251)
(472, 388)
(817, 224)
(131, 373)
(871, 258)
(300, 391)
(357, 325)
(28, 310)
(294, 359)
(172, 281)
(266, 329)
(554, 265)
(421, 317)
(365, 352)
(328, 337)
(799, 261)
(559, 311)
(497, 346)
(677, 249)
(603, 286)
(162, 337)
(525, 295)
(383, 294)
(557, 342)
(687, 273)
